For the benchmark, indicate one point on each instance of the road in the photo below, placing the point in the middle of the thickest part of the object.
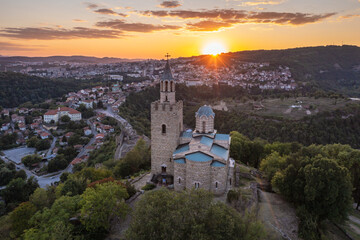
(51, 147)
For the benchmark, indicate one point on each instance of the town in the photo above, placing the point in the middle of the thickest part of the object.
(42, 135)
(186, 70)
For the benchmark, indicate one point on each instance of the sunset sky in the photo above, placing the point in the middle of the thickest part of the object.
(150, 28)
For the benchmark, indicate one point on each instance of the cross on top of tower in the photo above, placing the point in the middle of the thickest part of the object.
(167, 56)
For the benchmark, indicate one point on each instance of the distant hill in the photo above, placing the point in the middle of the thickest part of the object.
(335, 68)
(79, 59)
(18, 88)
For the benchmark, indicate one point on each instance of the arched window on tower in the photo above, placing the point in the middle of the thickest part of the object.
(161, 86)
(166, 86)
(163, 129)
(203, 126)
(172, 86)
(216, 185)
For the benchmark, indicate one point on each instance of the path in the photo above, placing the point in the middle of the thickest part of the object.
(279, 216)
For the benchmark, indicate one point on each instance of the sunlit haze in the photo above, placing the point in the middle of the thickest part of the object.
(214, 48)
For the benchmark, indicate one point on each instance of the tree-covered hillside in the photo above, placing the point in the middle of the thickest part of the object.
(18, 88)
(335, 68)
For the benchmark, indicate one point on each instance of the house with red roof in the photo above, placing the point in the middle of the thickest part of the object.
(55, 115)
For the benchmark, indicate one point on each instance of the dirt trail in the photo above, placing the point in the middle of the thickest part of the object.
(279, 216)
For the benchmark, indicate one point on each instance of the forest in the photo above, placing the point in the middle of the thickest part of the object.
(17, 88)
(339, 126)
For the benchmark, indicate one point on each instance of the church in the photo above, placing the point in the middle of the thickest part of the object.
(187, 159)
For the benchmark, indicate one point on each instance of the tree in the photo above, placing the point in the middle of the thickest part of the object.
(19, 190)
(29, 160)
(271, 164)
(6, 175)
(42, 144)
(57, 163)
(53, 223)
(135, 160)
(65, 118)
(40, 198)
(195, 215)
(20, 217)
(321, 189)
(32, 142)
(73, 186)
(101, 204)
(21, 174)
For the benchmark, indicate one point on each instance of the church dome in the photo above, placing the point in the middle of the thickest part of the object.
(205, 111)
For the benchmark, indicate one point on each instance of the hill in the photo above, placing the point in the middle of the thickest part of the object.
(18, 88)
(331, 68)
(78, 59)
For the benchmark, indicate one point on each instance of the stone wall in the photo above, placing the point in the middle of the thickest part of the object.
(198, 172)
(209, 124)
(163, 145)
(219, 176)
(179, 172)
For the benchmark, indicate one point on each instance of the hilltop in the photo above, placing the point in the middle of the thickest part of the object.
(331, 68)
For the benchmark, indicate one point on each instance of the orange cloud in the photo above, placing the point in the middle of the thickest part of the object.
(46, 33)
(134, 27)
(241, 16)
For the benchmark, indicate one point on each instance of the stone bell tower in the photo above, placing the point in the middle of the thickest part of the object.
(166, 127)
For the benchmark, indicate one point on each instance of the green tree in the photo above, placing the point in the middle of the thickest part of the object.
(53, 223)
(101, 204)
(31, 159)
(57, 163)
(65, 118)
(20, 217)
(195, 215)
(32, 142)
(40, 198)
(271, 164)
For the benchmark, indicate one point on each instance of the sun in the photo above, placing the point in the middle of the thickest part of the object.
(214, 48)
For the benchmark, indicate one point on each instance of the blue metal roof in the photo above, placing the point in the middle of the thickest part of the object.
(222, 137)
(205, 111)
(180, 160)
(219, 151)
(206, 141)
(186, 134)
(167, 75)
(199, 157)
(217, 164)
(181, 149)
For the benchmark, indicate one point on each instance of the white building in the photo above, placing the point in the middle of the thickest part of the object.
(57, 114)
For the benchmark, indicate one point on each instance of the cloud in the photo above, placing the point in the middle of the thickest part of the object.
(91, 5)
(46, 33)
(79, 20)
(233, 16)
(108, 11)
(208, 25)
(350, 16)
(6, 46)
(170, 4)
(261, 2)
(134, 27)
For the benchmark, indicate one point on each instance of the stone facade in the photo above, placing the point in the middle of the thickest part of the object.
(193, 159)
(164, 143)
(204, 124)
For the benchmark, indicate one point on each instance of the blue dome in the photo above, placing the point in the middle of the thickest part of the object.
(205, 111)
